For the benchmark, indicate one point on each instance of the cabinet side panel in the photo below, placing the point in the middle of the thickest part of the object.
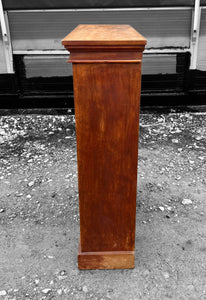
(107, 116)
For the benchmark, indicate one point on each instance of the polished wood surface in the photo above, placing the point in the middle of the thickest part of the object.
(104, 35)
(107, 134)
(107, 84)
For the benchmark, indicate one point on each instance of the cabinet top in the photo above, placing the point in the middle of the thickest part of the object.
(104, 35)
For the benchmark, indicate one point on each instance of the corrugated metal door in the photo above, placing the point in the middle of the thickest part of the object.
(44, 30)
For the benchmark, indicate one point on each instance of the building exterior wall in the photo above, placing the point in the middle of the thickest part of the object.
(62, 4)
(44, 30)
(37, 27)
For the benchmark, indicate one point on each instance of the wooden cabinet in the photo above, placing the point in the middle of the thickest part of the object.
(107, 83)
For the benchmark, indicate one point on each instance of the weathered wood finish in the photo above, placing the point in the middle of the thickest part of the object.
(105, 260)
(97, 35)
(107, 84)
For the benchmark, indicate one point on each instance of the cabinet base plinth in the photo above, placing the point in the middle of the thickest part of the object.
(106, 260)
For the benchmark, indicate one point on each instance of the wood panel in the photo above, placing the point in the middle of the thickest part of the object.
(105, 134)
(106, 259)
(44, 30)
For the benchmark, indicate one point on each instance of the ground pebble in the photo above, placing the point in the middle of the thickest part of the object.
(146, 273)
(59, 292)
(36, 281)
(190, 287)
(46, 291)
(85, 289)
(3, 293)
(186, 201)
(175, 141)
(62, 273)
(166, 275)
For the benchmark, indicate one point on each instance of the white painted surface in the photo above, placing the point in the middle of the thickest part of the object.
(6, 41)
(3, 68)
(201, 58)
(195, 35)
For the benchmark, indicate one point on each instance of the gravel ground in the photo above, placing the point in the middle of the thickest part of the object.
(39, 219)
